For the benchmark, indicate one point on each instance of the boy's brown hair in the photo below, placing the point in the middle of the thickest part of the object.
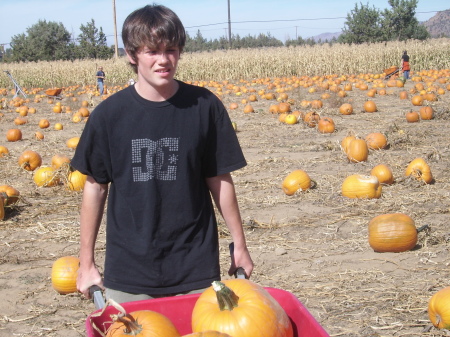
(150, 26)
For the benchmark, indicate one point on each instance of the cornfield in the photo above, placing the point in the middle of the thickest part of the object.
(250, 63)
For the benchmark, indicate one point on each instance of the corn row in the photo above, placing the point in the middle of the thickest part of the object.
(249, 63)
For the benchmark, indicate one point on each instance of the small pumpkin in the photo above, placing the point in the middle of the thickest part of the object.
(72, 143)
(426, 112)
(3, 151)
(383, 173)
(64, 274)
(30, 160)
(376, 141)
(12, 194)
(345, 142)
(59, 160)
(346, 109)
(417, 100)
(361, 187)
(240, 307)
(439, 309)
(76, 181)
(357, 150)
(311, 119)
(394, 233)
(248, 109)
(296, 180)
(45, 176)
(326, 125)
(420, 170)
(13, 135)
(412, 116)
(370, 106)
(44, 123)
(290, 119)
(144, 323)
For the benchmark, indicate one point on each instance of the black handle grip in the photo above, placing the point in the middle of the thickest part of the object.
(97, 296)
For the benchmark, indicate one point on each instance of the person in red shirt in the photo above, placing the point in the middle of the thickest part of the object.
(405, 65)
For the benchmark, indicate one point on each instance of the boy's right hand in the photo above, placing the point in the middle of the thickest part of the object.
(88, 277)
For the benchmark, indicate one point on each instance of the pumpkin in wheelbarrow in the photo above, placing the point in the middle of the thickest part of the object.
(53, 91)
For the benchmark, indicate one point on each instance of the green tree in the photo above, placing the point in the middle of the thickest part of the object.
(363, 24)
(400, 22)
(44, 41)
(92, 43)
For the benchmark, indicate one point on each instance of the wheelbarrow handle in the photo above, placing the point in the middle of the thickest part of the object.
(97, 296)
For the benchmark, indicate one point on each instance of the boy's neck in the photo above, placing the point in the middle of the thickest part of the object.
(156, 94)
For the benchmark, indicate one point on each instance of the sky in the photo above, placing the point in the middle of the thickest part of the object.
(283, 19)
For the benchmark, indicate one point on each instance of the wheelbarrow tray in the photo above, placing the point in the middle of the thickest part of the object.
(53, 92)
(179, 310)
(391, 70)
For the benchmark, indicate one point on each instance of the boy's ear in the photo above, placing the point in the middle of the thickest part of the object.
(130, 58)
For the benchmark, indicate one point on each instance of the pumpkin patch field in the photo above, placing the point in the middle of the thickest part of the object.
(326, 155)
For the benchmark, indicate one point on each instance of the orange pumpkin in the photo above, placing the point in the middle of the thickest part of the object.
(59, 160)
(72, 143)
(420, 170)
(240, 307)
(76, 181)
(296, 180)
(144, 323)
(346, 142)
(311, 119)
(376, 141)
(417, 100)
(13, 135)
(361, 187)
(44, 123)
(392, 233)
(3, 151)
(12, 194)
(370, 106)
(346, 109)
(326, 125)
(357, 150)
(383, 173)
(412, 117)
(426, 112)
(30, 160)
(64, 274)
(439, 310)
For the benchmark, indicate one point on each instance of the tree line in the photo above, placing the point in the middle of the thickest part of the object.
(50, 41)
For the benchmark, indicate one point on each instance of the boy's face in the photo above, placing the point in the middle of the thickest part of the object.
(157, 66)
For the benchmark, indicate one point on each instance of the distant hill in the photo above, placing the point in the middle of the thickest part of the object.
(439, 24)
(325, 36)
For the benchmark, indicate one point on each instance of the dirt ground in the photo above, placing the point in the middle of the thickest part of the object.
(313, 244)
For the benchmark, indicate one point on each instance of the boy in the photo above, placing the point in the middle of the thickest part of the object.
(100, 78)
(162, 148)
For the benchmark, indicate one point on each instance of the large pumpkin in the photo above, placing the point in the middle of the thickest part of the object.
(383, 173)
(326, 125)
(240, 308)
(361, 187)
(64, 274)
(30, 160)
(357, 150)
(394, 232)
(143, 323)
(376, 141)
(76, 181)
(420, 170)
(45, 176)
(439, 309)
(296, 180)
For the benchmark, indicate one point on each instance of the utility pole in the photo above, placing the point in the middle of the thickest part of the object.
(116, 50)
(229, 25)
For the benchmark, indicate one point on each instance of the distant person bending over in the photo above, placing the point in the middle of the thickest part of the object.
(100, 78)
(405, 65)
(164, 150)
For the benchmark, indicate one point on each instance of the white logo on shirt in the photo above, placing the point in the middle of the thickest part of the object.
(154, 159)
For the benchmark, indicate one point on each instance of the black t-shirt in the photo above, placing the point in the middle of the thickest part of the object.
(405, 58)
(161, 235)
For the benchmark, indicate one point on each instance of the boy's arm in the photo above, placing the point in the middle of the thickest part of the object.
(92, 207)
(224, 195)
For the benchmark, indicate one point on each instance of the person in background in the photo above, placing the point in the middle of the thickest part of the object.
(100, 78)
(161, 152)
(405, 65)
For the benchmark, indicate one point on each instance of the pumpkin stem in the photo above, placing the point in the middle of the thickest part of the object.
(422, 228)
(132, 327)
(226, 298)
